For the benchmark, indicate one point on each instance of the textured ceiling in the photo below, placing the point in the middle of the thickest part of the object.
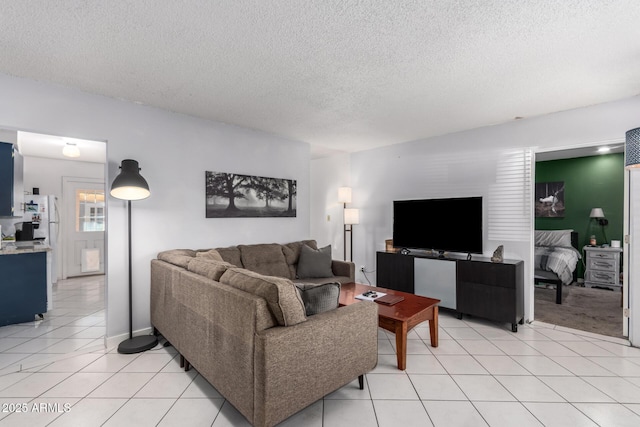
(339, 74)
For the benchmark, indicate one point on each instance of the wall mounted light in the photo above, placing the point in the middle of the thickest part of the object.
(632, 149)
(70, 149)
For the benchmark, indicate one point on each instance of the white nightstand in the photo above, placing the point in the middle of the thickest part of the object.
(602, 267)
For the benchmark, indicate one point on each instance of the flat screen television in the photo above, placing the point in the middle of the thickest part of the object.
(451, 225)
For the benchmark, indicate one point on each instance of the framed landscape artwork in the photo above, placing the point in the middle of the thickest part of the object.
(550, 199)
(231, 195)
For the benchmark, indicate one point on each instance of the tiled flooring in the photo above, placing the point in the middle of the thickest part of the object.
(481, 374)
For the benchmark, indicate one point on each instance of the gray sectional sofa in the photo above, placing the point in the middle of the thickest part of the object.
(236, 316)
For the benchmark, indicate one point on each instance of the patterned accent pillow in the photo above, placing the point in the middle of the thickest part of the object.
(319, 298)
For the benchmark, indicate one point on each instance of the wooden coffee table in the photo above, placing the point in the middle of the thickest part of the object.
(399, 318)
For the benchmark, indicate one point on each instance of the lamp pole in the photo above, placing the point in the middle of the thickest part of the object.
(130, 185)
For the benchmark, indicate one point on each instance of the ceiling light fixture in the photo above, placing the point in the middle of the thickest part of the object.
(604, 149)
(70, 149)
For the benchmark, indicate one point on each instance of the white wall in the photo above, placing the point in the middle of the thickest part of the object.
(174, 152)
(461, 164)
(46, 174)
(326, 213)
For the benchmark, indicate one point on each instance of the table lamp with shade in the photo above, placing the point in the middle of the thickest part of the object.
(598, 215)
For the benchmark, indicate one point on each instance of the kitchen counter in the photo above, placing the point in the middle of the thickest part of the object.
(12, 248)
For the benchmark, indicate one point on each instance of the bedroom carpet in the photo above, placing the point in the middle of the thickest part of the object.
(587, 309)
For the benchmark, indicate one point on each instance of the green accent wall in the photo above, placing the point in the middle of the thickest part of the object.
(589, 182)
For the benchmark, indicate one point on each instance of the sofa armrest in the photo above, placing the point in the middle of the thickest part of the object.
(297, 365)
(344, 268)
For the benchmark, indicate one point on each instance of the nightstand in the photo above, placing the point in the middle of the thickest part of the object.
(602, 267)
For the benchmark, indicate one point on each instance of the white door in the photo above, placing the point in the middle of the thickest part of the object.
(83, 226)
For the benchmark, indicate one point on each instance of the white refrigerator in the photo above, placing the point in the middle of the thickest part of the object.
(43, 212)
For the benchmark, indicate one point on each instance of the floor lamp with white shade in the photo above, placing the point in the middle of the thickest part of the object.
(130, 185)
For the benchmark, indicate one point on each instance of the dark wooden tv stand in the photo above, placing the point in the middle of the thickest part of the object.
(482, 288)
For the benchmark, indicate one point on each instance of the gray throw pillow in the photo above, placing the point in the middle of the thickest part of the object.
(314, 263)
(319, 298)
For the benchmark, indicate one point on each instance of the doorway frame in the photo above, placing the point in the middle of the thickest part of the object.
(67, 209)
(625, 311)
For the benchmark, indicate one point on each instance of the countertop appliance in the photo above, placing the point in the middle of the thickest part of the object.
(24, 231)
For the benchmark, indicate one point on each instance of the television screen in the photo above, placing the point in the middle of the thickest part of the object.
(453, 225)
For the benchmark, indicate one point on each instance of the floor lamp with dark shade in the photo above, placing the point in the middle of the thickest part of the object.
(130, 185)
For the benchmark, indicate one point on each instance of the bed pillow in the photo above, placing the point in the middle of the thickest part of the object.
(553, 238)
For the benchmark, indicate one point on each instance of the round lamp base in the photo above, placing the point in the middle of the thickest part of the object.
(137, 344)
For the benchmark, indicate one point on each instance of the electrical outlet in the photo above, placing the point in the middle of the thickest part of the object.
(362, 268)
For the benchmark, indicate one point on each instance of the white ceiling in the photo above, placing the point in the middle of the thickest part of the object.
(50, 146)
(340, 74)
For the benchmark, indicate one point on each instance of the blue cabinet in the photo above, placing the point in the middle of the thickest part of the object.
(6, 179)
(23, 287)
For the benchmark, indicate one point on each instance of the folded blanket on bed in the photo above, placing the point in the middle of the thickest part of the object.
(560, 260)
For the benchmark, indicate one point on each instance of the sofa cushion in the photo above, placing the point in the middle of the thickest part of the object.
(322, 280)
(292, 254)
(212, 254)
(314, 263)
(319, 298)
(281, 294)
(231, 254)
(179, 257)
(267, 259)
(209, 268)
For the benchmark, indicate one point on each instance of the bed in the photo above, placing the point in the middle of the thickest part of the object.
(556, 258)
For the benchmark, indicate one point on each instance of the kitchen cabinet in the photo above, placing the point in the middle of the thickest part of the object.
(11, 183)
(23, 287)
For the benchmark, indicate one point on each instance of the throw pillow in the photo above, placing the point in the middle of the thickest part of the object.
(292, 254)
(319, 298)
(314, 263)
(179, 257)
(208, 267)
(212, 254)
(281, 294)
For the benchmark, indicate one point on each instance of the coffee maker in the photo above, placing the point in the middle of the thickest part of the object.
(26, 232)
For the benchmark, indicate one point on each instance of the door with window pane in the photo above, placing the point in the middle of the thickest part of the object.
(85, 226)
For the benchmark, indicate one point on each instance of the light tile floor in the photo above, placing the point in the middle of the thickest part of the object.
(56, 372)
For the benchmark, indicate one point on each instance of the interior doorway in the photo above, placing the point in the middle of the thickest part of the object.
(590, 179)
(83, 226)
